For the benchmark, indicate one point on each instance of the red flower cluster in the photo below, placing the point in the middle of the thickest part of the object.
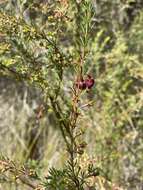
(85, 84)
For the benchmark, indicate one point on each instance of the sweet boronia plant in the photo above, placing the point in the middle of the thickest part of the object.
(40, 56)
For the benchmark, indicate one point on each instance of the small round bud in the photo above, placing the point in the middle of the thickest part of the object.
(81, 85)
(89, 82)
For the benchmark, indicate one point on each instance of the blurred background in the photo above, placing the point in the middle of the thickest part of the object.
(114, 124)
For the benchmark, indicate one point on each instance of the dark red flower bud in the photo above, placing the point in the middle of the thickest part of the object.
(89, 82)
(81, 84)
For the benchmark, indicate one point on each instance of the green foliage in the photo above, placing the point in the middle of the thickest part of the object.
(56, 180)
(53, 46)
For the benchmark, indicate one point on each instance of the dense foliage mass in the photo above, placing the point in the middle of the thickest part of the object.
(84, 58)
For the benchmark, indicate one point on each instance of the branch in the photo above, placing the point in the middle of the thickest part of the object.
(13, 72)
(21, 174)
